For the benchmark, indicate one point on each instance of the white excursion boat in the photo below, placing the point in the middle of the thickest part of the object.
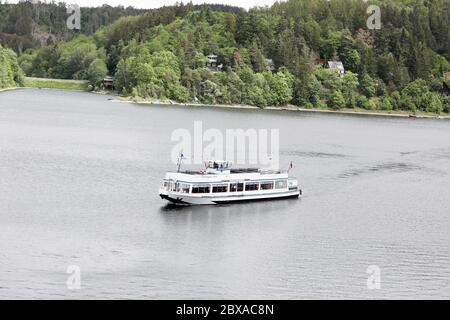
(219, 183)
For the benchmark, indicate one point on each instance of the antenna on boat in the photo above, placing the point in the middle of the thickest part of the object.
(290, 167)
(180, 159)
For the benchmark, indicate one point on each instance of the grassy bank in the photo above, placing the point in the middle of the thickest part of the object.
(55, 83)
(7, 89)
(389, 113)
(385, 113)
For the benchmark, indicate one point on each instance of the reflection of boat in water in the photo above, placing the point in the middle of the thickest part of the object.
(219, 183)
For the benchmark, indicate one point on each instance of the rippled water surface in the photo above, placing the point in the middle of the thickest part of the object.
(79, 175)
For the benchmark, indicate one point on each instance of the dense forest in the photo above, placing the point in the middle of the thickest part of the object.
(29, 24)
(163, 53)
(10, 73)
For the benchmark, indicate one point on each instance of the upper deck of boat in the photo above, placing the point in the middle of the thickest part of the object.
(233, 171)
(221, 171)
(202, 177)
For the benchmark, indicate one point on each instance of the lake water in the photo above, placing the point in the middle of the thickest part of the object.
(79, 178)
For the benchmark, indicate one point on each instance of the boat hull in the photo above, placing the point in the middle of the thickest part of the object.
(184, 199)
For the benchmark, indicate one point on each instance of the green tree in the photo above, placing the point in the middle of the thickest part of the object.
(434, 104)
(350, 85)
(386, 104)
(415, 95)
(337, 100)
(280, 86)
(96, 72)
(10, 73)
(367, 86)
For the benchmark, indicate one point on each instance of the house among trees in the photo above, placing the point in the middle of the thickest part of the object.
(337, 65)
(270, 65)
(212, 63)
(108, 82)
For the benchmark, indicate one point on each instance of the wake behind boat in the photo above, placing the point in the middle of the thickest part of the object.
(219, 183)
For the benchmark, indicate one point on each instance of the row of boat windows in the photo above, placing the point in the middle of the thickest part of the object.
(232, 187)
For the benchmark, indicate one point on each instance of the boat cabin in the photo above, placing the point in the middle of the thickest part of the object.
(228, 186)
(218, 167)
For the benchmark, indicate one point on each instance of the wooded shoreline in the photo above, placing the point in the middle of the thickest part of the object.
(362, 112)
(396, 114)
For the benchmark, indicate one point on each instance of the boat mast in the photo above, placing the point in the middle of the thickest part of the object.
(290, 167)
(180, 158)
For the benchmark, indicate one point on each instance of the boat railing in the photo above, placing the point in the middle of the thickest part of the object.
(244, 170)
(254, 170)
(193, 171)
(236, 170)
(270, 171)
